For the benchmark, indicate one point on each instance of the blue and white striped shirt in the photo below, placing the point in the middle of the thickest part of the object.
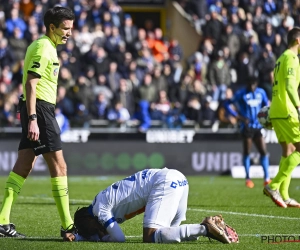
(248, 104)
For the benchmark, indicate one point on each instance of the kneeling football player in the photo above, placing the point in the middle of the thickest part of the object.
(162, 194)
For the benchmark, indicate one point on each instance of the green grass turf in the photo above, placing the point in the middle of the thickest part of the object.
(248, 210)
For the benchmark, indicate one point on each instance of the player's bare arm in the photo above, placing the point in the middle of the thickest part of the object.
(33, 129)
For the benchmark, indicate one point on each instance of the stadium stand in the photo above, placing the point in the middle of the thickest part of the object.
(111, 59)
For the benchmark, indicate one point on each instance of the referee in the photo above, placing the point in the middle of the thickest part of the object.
(40, 131)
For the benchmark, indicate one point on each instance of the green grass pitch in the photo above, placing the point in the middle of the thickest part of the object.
(252, 214)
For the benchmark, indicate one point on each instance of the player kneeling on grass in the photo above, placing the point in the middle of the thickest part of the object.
(163, 195)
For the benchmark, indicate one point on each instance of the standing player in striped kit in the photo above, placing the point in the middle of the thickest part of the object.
(249, 101)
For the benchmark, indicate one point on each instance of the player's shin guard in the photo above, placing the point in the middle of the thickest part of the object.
(178, 234)
(285, 170)
(284, 186)
(13, 187)
(61, 196)
(274, 185)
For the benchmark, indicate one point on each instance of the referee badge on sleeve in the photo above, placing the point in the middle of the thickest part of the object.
(55, 72)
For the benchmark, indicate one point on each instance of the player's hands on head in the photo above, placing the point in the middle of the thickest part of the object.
(33, 130)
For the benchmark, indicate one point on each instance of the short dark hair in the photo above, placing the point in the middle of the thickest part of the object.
(81, 221)
(57, 15)
(293, 34)
(252, 80)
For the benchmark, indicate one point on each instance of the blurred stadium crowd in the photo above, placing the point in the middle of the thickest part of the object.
(116, 73)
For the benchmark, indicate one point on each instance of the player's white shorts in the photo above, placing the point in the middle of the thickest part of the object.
(167, 203)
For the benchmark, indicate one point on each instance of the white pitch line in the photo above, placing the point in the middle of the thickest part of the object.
(245, 214)
(140, 236)
(192, 209)
(258, 235)
(241, 235)
(51, 199)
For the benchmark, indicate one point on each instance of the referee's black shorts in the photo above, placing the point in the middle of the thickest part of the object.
(49, 139)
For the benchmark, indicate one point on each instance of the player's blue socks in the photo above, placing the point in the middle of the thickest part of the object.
(264, 161)
(246, 162)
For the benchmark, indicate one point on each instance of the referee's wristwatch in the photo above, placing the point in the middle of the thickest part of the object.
(32, 117)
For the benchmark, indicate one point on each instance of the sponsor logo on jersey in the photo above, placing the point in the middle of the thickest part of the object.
(144, 174)
(178, 183)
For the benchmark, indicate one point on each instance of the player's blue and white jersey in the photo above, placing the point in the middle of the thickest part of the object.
(124, 199)
(248, 104)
